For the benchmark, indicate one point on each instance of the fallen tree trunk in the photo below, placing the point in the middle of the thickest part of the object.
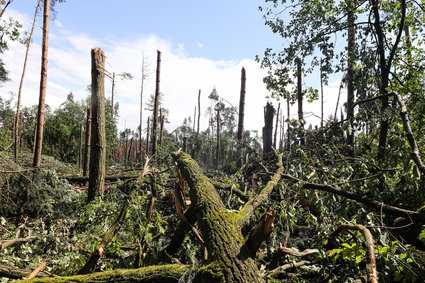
(151, 274)
(16, 273)
(230, 256)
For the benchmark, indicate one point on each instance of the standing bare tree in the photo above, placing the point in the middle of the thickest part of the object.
(43, 82)
(156, 103)
(350, 73)
(199, 111)
(21, 83)
(300, 99)
(268, 128)
(98, 135)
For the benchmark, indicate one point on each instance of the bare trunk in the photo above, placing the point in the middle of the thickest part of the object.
(141, 107)
(217, 150)
(321, 95)
(43, 83)
(156, 103)
(350, 74)
(98, 136)
(21, 84)
(241, 107)
(276, 127)
(268, 129)
(300, 100)
(199, 111)
(148, 134)
(112, 95)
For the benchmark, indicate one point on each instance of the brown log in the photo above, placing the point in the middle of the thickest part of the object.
(284, 251)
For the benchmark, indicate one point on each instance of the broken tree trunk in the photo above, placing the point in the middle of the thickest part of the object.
(98, 135)
(268, 129)
(239, 136)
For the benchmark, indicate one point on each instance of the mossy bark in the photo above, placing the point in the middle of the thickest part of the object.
(152, 274)
(230, 261)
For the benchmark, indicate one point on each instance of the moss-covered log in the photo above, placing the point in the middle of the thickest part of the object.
(152, 274)
(230, 261)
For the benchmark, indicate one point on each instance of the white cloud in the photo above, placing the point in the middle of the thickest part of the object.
(58, 24)
(199, 44)
(181, 77)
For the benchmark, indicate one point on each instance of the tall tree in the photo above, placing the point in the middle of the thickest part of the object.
(43, 82)
(351, 48)
(199, 112)
(21, 83)
(156, 103)
(300, 100)
(98, 135)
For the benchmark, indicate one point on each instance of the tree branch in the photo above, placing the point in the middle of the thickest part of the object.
(377, 205)
(371, 272)
(409, 133)
(247, 211)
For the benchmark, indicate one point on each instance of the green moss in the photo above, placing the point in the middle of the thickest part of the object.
(152, 274)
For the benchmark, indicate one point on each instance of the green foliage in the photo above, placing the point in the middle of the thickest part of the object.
(36, 194)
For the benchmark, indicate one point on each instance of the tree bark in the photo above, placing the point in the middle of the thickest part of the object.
(156, 103)
(98, 135)
(170, 273)
(268, 129)
(43, 83)
(223, 238)
(241, 108)
(350, 73)
(276, 126)
(300, 100)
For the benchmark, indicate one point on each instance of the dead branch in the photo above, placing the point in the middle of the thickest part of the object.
(374, 204)
(36, 271)
(371, 272)
(16, 273)
(230, 187)
(409, 134)
(288, 251)
(287, 266)
(6, 243)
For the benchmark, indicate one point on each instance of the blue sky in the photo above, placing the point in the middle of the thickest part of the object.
(227, 30)
(204, 44)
